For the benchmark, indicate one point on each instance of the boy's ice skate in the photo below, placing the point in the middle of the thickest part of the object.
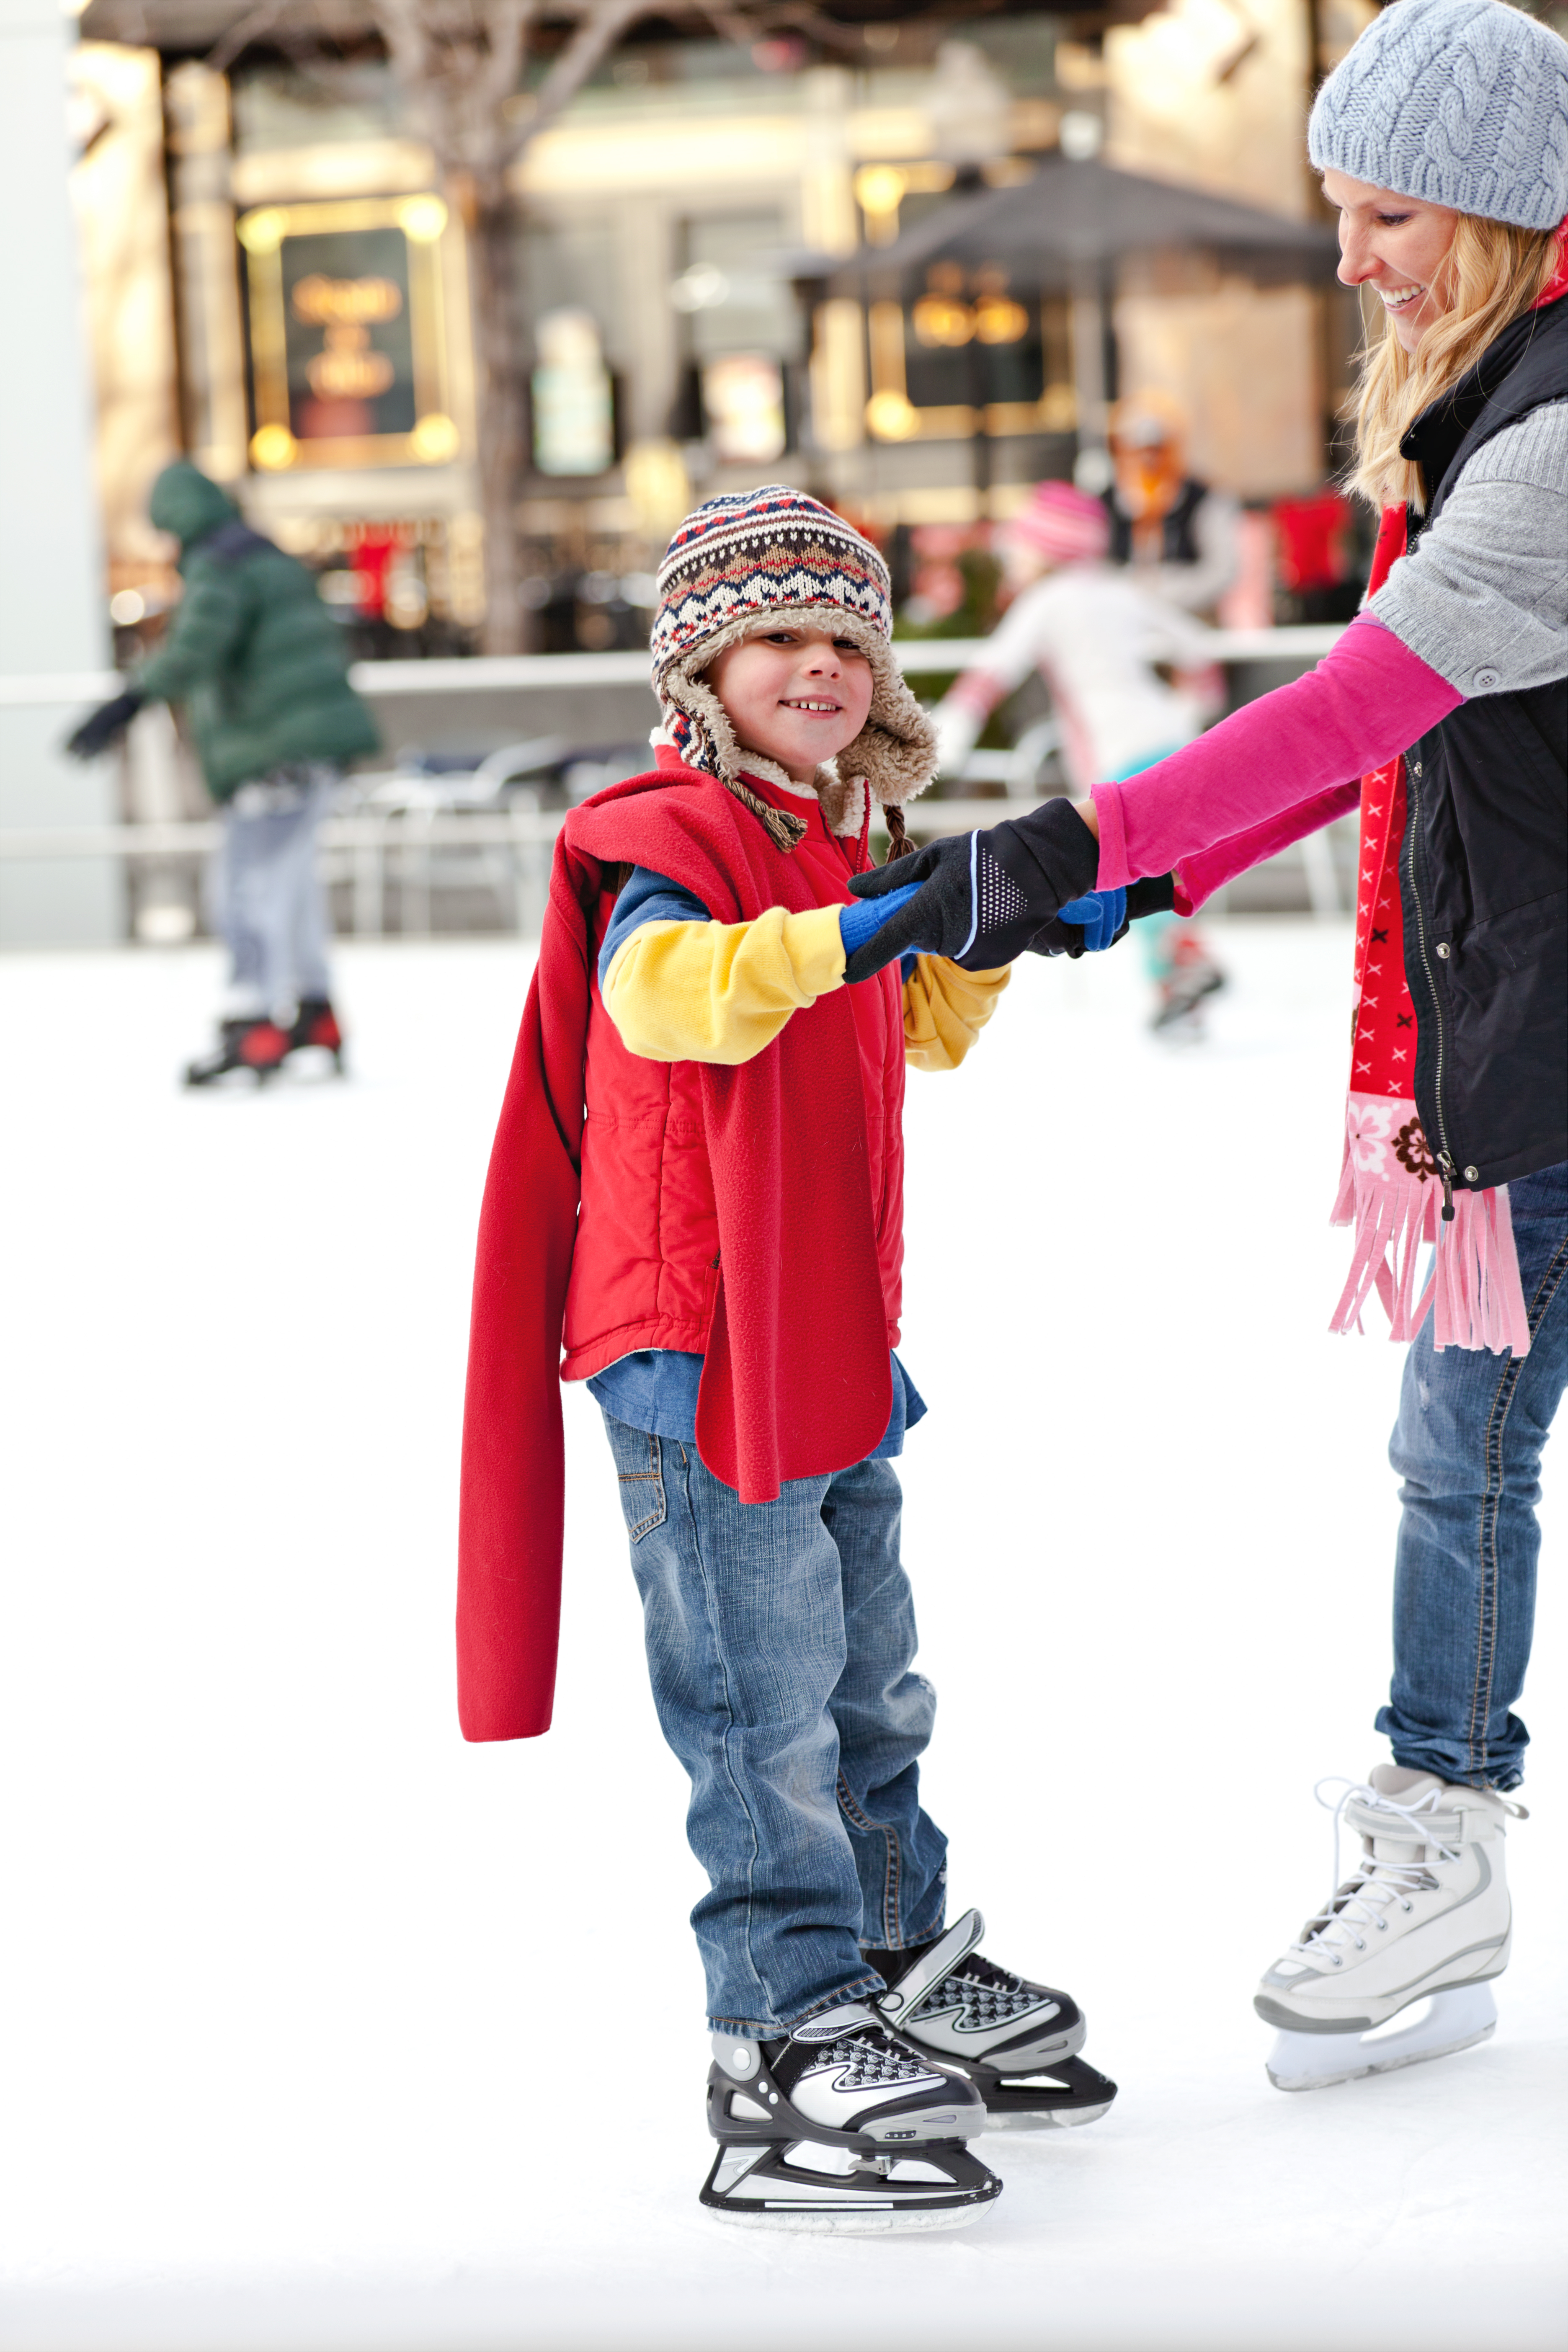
(842, 2126)
(1423, 1919)
(1016, 2041)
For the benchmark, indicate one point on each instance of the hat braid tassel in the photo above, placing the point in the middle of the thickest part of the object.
(899, 841)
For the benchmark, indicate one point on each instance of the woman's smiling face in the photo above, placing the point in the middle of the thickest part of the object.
(1395, 244)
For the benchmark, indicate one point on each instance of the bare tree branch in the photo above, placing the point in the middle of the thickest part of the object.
(243, 30)
(508, 24)
(598, 29)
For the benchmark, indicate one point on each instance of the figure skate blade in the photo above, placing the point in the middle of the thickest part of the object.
(1456, 2019)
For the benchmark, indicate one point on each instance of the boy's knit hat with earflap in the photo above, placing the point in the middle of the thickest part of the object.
(771, 558)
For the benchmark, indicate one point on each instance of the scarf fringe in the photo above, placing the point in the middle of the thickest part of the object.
(1474, 1287)
(1392, 1215)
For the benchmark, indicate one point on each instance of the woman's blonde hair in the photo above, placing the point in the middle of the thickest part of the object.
(1491, 273)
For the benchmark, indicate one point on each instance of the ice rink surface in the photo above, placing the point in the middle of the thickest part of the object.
(322, 2029)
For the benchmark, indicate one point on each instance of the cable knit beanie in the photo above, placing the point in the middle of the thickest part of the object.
(768, 559)
(1459, 102)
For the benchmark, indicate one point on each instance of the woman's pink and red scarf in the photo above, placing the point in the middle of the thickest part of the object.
(1391, 1187)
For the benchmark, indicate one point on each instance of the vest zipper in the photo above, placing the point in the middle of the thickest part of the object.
(1444, 1157)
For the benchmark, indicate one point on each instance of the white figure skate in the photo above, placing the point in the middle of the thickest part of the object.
(1423, 1921)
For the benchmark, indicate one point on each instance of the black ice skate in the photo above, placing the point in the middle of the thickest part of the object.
(842, 2126)
(316, 1024)
(256, 1045)
(1016, 2041)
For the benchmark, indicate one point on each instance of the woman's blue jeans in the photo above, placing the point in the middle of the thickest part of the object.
(1468, 1445)
(780, 1642)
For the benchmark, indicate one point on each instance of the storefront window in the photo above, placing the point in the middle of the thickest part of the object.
(348, 359)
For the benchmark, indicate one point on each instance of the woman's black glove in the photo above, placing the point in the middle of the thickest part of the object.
(1155, 894)
(984, 895)
(104, 726)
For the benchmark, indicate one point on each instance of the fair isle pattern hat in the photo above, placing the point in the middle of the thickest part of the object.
(771, 558)
(1458, 102)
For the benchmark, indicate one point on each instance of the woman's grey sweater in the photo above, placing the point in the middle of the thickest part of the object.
(1485, 595)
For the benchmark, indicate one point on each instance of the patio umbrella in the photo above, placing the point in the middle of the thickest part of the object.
(1063, 229)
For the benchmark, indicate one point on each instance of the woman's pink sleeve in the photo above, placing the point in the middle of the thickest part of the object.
(1366, 700)
(1207, 870)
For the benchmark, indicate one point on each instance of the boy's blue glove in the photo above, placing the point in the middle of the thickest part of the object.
(865, 918)
(1101, 916)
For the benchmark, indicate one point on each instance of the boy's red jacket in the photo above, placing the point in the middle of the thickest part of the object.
(796, 1380)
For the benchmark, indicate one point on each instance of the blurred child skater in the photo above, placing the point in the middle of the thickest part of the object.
(716, 1241)
(1095, 633)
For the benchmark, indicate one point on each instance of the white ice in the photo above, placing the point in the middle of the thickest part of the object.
(321, 2028)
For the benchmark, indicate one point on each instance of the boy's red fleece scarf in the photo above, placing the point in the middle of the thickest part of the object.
(1390, 1185)
(1391, 1188)
(796, 1381)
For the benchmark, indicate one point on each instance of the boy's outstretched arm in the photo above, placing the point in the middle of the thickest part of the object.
(946, 1008)
(682, 988)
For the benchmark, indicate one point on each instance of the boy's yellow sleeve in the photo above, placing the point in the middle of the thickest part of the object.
(945, 1009)
(720, 992)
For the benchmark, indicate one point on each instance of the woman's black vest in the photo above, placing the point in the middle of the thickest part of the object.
(1484, 866)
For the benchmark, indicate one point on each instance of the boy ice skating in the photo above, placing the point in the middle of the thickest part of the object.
(696, 1193)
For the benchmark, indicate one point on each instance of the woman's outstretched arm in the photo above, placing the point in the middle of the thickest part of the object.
(1368, 699)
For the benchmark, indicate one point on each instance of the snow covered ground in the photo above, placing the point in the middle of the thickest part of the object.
(320, 2028)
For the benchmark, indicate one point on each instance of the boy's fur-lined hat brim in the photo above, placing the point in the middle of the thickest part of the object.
(772, 559)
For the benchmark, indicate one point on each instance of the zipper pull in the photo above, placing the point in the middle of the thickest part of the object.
(1447, 1165)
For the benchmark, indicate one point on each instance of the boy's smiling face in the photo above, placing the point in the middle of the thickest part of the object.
(794, 695)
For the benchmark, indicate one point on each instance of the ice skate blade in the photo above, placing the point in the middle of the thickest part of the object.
(1062, 2119)
(1072, 2092)
(794, 2185)
(807, 2223)
(1457, 2019)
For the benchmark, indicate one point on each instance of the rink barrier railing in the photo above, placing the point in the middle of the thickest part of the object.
(506, 852)
(509, 854)
(407, 849)
(487, 672)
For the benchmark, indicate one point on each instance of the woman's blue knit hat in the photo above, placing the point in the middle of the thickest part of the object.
(1459, 102)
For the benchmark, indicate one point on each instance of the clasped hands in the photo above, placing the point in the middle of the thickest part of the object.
(983, 899)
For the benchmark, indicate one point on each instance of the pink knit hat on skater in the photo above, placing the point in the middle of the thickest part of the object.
(1061, 523)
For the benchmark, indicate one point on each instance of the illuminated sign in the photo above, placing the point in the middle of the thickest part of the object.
(349, 357)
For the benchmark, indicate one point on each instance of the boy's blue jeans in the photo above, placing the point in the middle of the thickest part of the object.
(1468, 1445)
(780, 1640)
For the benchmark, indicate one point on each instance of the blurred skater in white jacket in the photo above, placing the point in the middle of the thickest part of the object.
(1098, 639)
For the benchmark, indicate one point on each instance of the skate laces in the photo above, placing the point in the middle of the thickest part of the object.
(869, 2056)
(984, 1994)
(1376, 1883)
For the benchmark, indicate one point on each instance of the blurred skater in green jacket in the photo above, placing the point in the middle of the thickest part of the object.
(254, 657)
